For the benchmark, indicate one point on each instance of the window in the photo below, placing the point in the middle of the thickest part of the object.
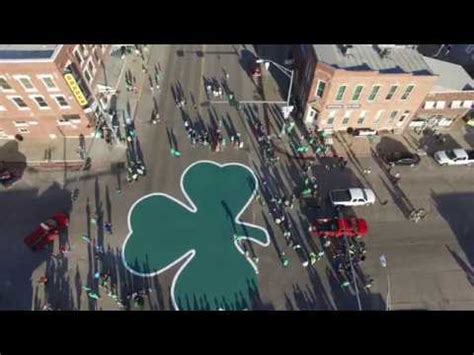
(407, 92)
(393, 114)
(362, 117)
(391, 92)
(20, 123)
(467, 104)
(48, 82)
(4, 84)
(331, 117)
(440, 104)
(340, 92)
(42, 104)
(78, 57)
(61, 101)
(374, 93)
(429, 105)
(378, 116)
(402, 117)
(25, 81)
(18, 101)
(357, 92)
(347, 116)
(320, 88)
(456, 104)
(88, 76)
(63, 122)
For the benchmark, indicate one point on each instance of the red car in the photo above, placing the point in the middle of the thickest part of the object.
(47, 231)
(337, 227)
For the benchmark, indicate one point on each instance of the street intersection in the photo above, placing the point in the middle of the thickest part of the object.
(428, 263)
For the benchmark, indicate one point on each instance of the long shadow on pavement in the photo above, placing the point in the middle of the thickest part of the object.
(22, 212)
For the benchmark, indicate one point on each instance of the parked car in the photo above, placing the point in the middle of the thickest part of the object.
(352, 197)
(47, 231)
(454, 157)
(401, 158)
(339, 227)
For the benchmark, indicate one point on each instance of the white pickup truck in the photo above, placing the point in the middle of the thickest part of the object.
(352, 197)
(454, 157)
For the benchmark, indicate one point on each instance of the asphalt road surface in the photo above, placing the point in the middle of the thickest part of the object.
(428, 263)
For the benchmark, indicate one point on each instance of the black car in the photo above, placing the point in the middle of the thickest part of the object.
(401, 158)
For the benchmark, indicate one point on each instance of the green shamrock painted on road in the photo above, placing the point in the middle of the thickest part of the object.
(203, 236)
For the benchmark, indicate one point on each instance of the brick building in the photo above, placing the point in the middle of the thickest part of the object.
(47, 90)
(360, 86)
(451, 99)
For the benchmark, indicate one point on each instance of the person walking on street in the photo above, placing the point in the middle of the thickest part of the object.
(345, 284)
(43, 280)
(108, 227)
(396, 177)
(284, 259)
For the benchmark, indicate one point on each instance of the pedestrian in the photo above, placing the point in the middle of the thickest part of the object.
(63, 249)
(118, 190)
(297, 246)
(43, 280)
(396, 177)
(47, 307)
(320, 255)
(93, 295)
(327, 242)
(345, 284)
(108, 227)
(284, 259)
(313, 258)
(368, 284)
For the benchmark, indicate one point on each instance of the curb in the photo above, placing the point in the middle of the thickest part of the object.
(56, 165)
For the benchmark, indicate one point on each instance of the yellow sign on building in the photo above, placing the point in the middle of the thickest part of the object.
(76, 90)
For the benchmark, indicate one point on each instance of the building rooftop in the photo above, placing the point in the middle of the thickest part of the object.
(26, 51)
(451, 76)
(385, 59)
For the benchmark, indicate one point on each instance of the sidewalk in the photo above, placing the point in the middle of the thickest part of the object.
(55, 153)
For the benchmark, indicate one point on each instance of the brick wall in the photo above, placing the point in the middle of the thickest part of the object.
(447, 111)
(34, 121)
(377, 112)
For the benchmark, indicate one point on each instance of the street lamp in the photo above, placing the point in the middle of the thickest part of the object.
(289, 73)
(388, 299)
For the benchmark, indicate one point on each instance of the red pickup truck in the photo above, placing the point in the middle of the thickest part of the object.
(47, 231)
(337, 227)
